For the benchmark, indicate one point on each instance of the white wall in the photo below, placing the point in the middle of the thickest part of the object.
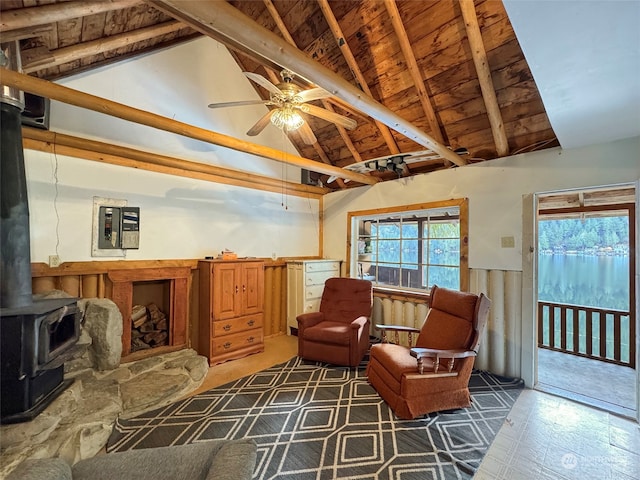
(180, 217)
(495, 191)
(177, 83)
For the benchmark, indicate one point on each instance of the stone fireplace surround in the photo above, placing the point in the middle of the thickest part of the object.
(78, 423)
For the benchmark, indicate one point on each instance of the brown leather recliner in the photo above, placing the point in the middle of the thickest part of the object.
(434, 375)
(339, 332)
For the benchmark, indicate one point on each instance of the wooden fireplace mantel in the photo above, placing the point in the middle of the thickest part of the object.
(120, 284)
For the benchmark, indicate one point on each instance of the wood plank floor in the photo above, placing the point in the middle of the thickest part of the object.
(277, 349)
(599, 384)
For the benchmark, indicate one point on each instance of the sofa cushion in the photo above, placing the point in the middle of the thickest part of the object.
(42, 469)
(189, 462)
(235, 460)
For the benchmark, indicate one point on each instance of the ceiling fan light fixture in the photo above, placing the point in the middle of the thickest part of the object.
(287, 119)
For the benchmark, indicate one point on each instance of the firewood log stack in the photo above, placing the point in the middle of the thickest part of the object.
(149, 327)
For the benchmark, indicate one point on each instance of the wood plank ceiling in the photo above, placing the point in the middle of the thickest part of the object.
(453, 69)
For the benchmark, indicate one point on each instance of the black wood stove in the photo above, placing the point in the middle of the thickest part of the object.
(36, 335)
(35, 341)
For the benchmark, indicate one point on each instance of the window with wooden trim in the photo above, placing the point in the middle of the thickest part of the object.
(411, 247)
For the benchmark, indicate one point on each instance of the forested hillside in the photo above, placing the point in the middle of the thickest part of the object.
(607, 235)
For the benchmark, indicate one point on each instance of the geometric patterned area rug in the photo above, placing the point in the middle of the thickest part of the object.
(316, 421)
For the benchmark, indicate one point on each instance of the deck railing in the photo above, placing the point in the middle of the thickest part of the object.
(599, 333)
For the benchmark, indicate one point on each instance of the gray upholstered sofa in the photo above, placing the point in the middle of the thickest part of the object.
(215, 459)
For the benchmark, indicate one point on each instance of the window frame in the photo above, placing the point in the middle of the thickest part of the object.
(352, 238)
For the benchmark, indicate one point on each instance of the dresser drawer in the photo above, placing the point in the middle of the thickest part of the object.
(318, 278)
(322, 266)
(236, 341)
(313, 291)
(312, 305)
(236, 325)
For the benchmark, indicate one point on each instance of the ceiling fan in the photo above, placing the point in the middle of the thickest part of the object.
(290, 103)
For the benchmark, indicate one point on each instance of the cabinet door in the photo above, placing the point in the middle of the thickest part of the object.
(252, 288)
(226, 288)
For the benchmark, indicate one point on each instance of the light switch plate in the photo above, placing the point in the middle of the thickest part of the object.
(508, 242)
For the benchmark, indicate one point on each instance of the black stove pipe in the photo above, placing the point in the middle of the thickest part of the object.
(15, 244)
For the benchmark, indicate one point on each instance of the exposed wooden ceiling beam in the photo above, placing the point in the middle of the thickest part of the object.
(31, 16)
(108, 107)
(273, 77)
(62, 144)
(101, 45)
(481, 63)
(345, 135)
(271, 8)
(414, 70)
(218, 19)
(355, 69)
(27, 32)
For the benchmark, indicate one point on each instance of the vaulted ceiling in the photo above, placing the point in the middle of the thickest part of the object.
(441, 75)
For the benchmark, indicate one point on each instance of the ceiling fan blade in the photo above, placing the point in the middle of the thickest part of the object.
(336, 118)
(260, 124)
(307, 134)
(239, 103)
(313, 94)
(260, 80)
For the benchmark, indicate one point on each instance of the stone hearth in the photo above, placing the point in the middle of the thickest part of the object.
(78, 423)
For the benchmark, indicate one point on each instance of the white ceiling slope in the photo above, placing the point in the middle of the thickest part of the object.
(585, 58)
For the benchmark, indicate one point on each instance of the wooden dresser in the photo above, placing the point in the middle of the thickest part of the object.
(305, 284)
(231, 309)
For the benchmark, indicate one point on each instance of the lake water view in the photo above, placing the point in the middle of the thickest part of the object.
(586, 280)
(591, 280)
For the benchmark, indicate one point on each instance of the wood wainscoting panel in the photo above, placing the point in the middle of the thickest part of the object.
(92, 280)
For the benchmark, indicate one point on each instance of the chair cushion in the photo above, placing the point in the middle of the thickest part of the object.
(396, 359)
(445, 331)
(454, 302)
(345, 299)
(337, 333)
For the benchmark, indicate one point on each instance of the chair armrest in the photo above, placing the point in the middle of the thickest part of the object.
(306, 320)
(420, 353)
(358, 323)
(396, 330)
(434, 352)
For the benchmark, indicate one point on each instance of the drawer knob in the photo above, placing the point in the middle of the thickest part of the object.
(250, 340)
(251, 322)
(227, 345)
(226, 328)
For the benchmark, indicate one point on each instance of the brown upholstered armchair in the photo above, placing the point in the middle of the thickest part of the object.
(434, 375)
(339, 332)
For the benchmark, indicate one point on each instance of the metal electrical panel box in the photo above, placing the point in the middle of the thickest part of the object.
(130, 227)
(118, 227)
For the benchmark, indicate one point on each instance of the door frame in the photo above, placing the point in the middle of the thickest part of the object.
(529, 358)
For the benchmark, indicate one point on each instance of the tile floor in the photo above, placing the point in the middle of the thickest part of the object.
(549, 437)
(545, 436)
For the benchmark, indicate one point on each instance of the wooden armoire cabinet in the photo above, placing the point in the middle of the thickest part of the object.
(231, 309)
